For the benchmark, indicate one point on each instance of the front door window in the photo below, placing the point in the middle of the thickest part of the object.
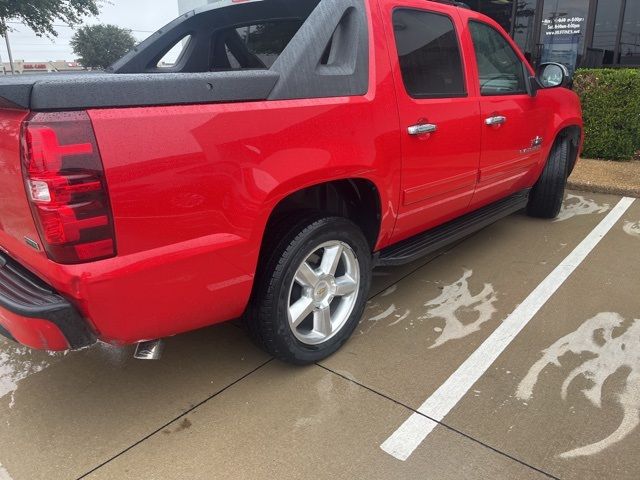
(499, 68)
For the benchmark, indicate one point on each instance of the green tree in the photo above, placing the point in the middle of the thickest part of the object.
(98, 46)
(40, 15)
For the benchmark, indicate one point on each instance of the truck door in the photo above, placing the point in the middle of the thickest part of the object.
(439, 114)
(513, 122)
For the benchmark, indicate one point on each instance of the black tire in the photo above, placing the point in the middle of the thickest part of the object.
(267, 317)
(545, 200)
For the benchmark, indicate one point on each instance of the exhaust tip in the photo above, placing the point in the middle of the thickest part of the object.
(151, 350)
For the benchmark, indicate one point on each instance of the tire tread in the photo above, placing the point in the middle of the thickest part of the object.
(545, 200)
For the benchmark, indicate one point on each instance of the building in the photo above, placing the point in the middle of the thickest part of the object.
(577, 33)
(58, 66)
(185, 6)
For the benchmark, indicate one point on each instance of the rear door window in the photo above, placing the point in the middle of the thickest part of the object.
(429, 54)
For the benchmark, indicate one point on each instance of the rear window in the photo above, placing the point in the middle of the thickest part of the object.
(254, 46)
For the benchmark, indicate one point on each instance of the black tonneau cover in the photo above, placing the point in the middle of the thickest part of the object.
(44, 92)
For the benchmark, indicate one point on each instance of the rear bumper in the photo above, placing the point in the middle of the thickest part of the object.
(32, 314)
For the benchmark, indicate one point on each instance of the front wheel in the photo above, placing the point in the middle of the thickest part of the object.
(545, 200)
(311, 291)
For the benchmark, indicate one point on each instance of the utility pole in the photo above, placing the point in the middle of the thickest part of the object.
(6, 37)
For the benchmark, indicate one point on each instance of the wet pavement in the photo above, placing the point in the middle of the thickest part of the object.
(561, 401)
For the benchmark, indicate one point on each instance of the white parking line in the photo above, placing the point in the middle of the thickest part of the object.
(412, 433)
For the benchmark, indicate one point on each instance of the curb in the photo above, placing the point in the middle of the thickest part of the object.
(599, 188)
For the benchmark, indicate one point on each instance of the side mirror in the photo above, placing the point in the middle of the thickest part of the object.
(553, 75)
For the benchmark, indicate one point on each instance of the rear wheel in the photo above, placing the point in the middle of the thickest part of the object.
(545, 200)
(311, 291)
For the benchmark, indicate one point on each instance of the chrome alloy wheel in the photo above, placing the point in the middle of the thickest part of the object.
(323, 293)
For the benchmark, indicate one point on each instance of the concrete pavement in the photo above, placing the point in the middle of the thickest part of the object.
(561, 401)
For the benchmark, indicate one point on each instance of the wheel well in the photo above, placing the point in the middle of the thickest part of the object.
(573, 134)
(355, 199)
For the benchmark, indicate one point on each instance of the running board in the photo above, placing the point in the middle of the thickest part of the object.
(431, 241)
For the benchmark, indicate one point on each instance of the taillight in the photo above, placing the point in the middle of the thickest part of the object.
(66, 187)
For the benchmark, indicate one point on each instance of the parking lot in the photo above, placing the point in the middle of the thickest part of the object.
(561, 399)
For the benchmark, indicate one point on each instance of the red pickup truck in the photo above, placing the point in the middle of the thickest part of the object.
(286, 149)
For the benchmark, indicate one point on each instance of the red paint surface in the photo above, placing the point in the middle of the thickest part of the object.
(35, 333)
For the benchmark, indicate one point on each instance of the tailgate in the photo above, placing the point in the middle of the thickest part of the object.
(17, 228)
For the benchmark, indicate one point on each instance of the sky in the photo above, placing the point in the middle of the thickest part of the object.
(143, 17)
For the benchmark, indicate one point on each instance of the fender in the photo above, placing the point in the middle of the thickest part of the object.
(386, 194)
(567, 113)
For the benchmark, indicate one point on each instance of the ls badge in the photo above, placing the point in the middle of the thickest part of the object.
(536, 144)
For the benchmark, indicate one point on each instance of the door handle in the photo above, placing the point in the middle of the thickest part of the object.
(496, 120)
(422, 129)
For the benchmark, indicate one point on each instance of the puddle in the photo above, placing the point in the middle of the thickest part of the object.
(463, 312)
(16, 364)
(331, 395)
(632, 228)
(576, 205)
(4, 475)
(456, 313)
(389, 290)
(400, 318)
(386, 314)
(609, 347)
(391, 312)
